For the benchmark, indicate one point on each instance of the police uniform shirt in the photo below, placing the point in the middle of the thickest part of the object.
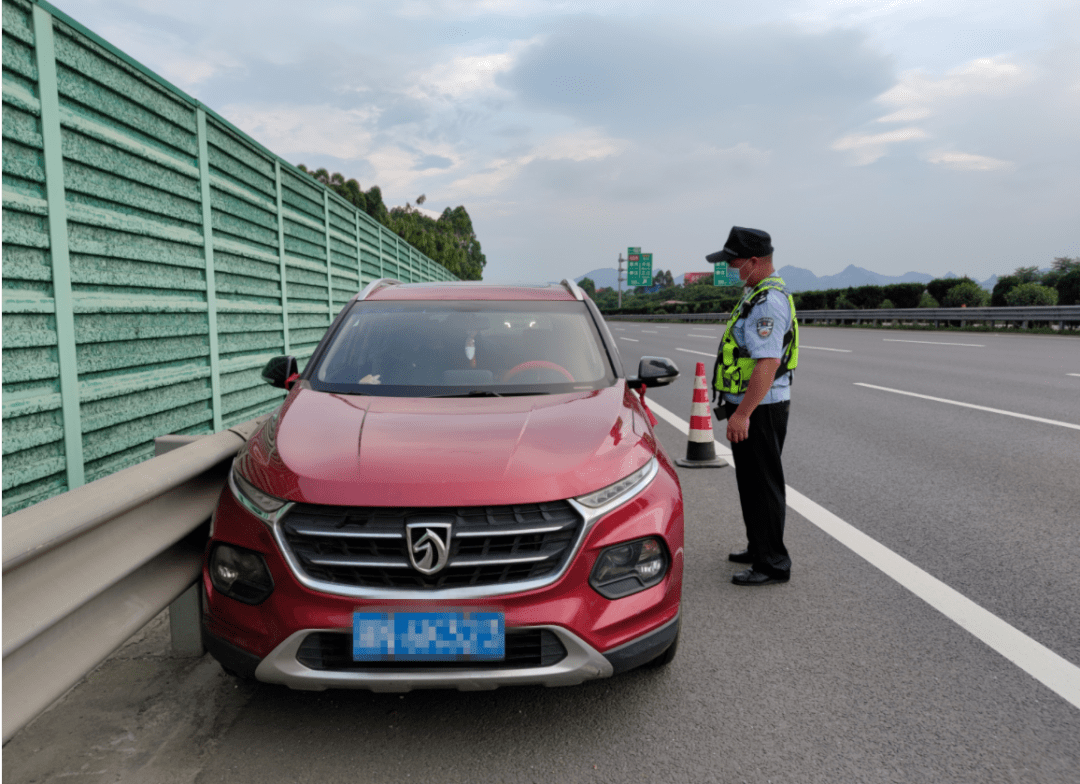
(762, 334)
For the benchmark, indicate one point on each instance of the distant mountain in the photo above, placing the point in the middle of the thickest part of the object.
(799, 279)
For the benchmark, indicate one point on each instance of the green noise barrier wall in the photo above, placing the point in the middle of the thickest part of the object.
(154, 258)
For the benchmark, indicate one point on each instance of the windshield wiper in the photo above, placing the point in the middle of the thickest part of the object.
(488, 393)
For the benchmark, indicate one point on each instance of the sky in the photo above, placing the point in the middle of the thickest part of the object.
(896, 135)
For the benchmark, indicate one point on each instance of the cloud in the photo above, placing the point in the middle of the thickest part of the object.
(639, 75)
(292, 129)
(964, 161)
(867, 148)
(916, 92)
(433, 162)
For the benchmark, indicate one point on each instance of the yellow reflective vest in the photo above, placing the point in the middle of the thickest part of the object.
(733, 364)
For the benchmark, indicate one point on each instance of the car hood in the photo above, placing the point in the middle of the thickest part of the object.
(354, 450)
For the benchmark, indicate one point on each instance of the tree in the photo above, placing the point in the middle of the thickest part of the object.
(1068, 288)
(1027, 294)
(1028, 274)
(966, 292)
(1001, 288)
(939, 287)
(588, 286)
(927, 301)
(886, 304)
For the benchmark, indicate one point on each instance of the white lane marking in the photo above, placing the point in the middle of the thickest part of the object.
(620, 329)
(822, 348)
(663, 326)
(710, 337)
(1056, 673)
(933, 342)
(653, 331)
(1073, 374)
(704, 354)
(972, 405)
(632, 340)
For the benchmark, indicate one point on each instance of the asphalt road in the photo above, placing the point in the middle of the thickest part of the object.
(841, 675)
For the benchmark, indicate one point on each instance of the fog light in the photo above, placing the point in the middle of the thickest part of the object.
(240, 574)
(627, 568)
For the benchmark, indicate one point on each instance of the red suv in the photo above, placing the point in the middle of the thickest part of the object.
(462, 489)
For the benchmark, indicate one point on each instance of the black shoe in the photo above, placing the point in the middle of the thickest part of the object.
(740, 556)
(750, 577)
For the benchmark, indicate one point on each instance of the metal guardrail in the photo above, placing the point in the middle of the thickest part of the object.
(1061, 315)
(85, 570)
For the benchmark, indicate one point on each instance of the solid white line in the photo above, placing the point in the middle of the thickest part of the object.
(704, 354)
(972, 405)
(933, 342)
(822, 348)
(1056, 673)
(632, 340)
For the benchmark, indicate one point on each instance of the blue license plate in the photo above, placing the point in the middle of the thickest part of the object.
(428, 636)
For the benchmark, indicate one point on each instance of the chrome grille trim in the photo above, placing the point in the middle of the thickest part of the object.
(307, 531)
(589, 517)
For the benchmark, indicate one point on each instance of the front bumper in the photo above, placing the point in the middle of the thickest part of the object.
(582, 662)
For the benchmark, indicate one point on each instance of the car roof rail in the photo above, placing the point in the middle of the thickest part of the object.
(574, 289)
(375, 285)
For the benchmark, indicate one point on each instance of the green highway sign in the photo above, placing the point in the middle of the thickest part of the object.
(723, 275)
(638, 268)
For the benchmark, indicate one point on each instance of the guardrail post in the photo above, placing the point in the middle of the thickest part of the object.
(185, 616)
(185, 612)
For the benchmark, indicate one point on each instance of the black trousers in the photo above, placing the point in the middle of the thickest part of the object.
(760, 476)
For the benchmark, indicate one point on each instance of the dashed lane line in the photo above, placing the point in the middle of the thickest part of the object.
(702, 353)
(632, 340)
(651, 331)
(933, 342)
(1056, 673)
(822, 348)
(971, 405)
(1073, 374)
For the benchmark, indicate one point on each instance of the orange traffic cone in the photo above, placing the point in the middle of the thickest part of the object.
(701, 447)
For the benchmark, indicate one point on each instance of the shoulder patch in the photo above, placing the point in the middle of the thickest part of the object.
(764, 327)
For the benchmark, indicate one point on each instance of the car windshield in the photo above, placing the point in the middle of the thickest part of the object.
(456, 348)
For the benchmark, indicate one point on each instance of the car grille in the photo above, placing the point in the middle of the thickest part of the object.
(524, 648)
(490, 545)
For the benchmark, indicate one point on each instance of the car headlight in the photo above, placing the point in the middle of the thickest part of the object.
(259, 503)
(240, 573)
(630, 567)
(621, 488)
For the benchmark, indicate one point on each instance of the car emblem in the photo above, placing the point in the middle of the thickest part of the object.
(429, 546)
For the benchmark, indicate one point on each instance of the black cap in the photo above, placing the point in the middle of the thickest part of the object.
(743, 244)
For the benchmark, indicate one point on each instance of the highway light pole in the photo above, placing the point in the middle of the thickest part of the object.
(620, 279)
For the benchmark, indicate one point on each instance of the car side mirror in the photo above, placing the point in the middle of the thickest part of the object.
(654, 372)
(281, 372)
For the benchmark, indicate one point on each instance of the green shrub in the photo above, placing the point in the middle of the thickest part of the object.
(1027, 294)
(939, 287)
(966, 292)
(843, 303)
(886, 303)
(927, 301)
(905, 295)
(1002, 287)
(1068, 288)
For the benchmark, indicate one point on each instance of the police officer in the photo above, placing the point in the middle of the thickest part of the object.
(754, 365)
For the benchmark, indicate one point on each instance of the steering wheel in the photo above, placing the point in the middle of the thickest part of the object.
(536, 363)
